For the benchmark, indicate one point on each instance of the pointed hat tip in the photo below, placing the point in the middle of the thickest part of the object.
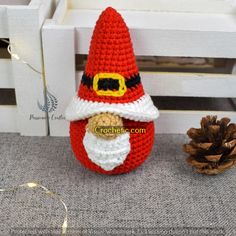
(110, 11)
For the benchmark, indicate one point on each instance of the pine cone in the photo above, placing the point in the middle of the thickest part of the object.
(104, 120)
(213, 147)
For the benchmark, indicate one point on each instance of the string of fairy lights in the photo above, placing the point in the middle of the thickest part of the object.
(35, 185)
(18, 58)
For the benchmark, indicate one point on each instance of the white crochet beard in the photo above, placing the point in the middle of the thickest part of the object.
(107, 154)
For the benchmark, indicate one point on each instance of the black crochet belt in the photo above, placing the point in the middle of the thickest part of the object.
(110, 83)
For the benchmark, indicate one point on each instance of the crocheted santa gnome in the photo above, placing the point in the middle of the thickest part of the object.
(111, 128)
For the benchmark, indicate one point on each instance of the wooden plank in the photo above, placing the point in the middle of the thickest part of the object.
(60, 12)
(194, 103)
(169, 121)
(165, 34)
(14, 2)
(6, 78)
(59, 59)
(45, 9)
(189, 84)
(162, 28)
(186, 84)
(8, 121)
(157, 20)
(3, 22)
(203, 6)
(29, 84)
(181, 121)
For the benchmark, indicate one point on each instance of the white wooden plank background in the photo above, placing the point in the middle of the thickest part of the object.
(6, 77)
(14, 2)
(181, 121)
(8, 121)
(59, 58)
(3, 22)
(60, 12)
(29, 85)
(153, 33)
(189, 84)
(206, 6)
(169, 34)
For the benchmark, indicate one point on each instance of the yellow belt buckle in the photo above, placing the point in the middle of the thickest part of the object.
(115, 76)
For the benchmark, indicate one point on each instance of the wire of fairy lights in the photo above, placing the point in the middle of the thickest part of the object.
(35, 185)
(18, 58)
(46, 191)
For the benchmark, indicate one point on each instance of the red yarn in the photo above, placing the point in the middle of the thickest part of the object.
(141, 146)
(111, 48)
(111, 51)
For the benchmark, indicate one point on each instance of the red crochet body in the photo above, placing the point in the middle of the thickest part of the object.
(141, 145)
(111, 51)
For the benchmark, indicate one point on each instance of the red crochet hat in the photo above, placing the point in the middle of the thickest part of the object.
(111, 81)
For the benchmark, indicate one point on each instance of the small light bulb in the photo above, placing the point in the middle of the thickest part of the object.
(64, 227)
(15, 56)
(32, 185)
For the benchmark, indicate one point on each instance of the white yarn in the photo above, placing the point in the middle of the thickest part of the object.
(142, 109)
(107, 154)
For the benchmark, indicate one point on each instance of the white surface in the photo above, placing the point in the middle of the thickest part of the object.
(181, 121)
(207, 6)
(157, 20)
(6, 77)
(8, 120)
(107, 154)
(60, 12)
(59, 59)
(165, 34)
(189, 84)
(14, 2)
(3, 22)
(22, 25)
(153, 33)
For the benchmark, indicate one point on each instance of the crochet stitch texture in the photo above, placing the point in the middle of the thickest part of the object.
(111, 51)
(141, 145)
(111, 56)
